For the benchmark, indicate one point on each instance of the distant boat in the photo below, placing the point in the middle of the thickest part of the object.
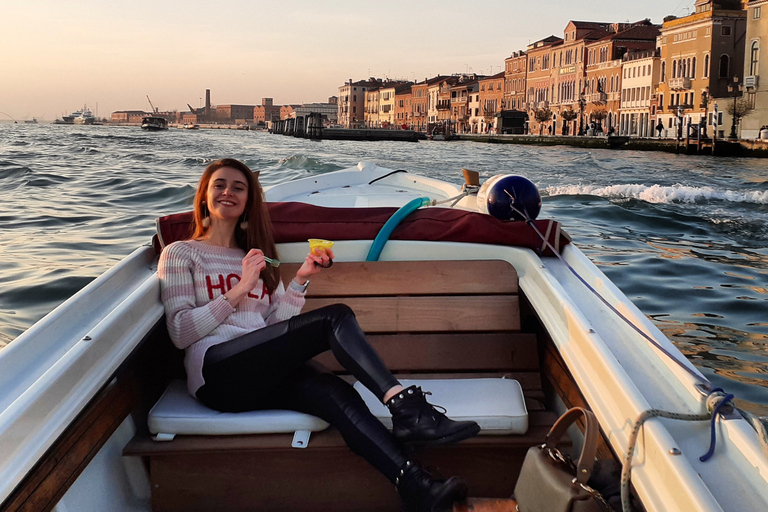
(85, 117)
(154, 123)
(70, 119)
(31, 121)
(191, 126)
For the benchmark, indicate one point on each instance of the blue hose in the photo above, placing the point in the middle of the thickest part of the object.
(386, 230)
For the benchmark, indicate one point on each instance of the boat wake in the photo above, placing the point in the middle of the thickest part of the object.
(660, 194)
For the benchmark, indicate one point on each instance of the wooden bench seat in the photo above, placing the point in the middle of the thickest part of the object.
(430, 319)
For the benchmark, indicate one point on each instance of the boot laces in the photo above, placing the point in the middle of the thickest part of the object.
(432, 407)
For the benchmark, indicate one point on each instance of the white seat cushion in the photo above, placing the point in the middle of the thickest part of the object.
(497, 405)
(178, 413)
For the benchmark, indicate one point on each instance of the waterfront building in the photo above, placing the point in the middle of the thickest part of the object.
(372, 107)
(444, 99)
(439, 106)
(352, 102)
(329, 111)
(433, 91)
(380, 104)
(403, 106)
(491, 100)
(234, 114)
(266, 113)
(460, 113)
(539, 84)
(128, 116)
(387, 93)
(515, 70)
(640, 74)
(754, 67)
(474, 108)
(568, 69)
(420, 102)
(603, 61)
(287, 111)
(190, 118)
(702, 55)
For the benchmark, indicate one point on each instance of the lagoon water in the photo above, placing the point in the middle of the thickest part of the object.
(685, 237)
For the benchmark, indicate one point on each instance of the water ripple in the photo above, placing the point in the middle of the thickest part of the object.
(685, 238)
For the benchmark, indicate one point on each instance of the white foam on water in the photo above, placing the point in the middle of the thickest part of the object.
(660, 194)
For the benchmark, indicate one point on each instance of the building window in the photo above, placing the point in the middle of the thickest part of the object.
(674, 69)
(693, 67)
(724, 64)
(756, 15)
(726, 31)
(753, 57)
(706, 66)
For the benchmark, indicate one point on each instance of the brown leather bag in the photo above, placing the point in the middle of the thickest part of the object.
(549, 483)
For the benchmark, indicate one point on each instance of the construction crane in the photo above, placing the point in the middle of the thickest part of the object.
(154, 110)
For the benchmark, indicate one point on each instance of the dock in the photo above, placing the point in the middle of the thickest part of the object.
(311, 127)
(690, 146)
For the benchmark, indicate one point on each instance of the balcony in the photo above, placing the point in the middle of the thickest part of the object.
(682, 106)
(598, 97)
(751, 82)
(677, 84)
(444, 105)
(543, 104)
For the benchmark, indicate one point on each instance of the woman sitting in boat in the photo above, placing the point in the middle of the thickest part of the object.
(248, 348)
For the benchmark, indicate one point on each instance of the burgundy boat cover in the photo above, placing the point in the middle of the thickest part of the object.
(296, 222)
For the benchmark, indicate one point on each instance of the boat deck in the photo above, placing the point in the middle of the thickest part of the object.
(426, 319)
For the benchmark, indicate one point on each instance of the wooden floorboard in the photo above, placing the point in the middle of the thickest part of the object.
(486, 505)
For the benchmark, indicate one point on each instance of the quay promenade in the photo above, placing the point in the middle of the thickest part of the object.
(722, 147)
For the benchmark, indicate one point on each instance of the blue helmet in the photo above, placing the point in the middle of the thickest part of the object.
(511, 193)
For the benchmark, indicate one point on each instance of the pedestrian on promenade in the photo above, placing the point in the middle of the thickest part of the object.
(660, 127)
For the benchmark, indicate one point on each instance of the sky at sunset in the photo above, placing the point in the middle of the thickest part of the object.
(57, 55)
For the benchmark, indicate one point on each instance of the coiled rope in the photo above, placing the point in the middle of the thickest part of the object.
(717, 400)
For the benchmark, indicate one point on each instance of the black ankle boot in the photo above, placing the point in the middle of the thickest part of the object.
(416, 422)
(422, 492)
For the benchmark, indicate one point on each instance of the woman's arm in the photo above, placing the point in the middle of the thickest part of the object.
(287, 302)
(187, 323)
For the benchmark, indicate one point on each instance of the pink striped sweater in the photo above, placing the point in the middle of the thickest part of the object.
(193, 278)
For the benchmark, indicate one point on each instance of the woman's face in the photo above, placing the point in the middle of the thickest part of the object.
(227, 193)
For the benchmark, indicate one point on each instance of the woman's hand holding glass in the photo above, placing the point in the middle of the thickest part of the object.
(318, 259)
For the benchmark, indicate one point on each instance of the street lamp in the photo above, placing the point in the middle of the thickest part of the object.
(582, 103)
(736, 89)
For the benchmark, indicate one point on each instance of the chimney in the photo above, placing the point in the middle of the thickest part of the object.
(207, 102)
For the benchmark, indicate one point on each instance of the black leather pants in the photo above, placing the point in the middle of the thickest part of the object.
(271, 369)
